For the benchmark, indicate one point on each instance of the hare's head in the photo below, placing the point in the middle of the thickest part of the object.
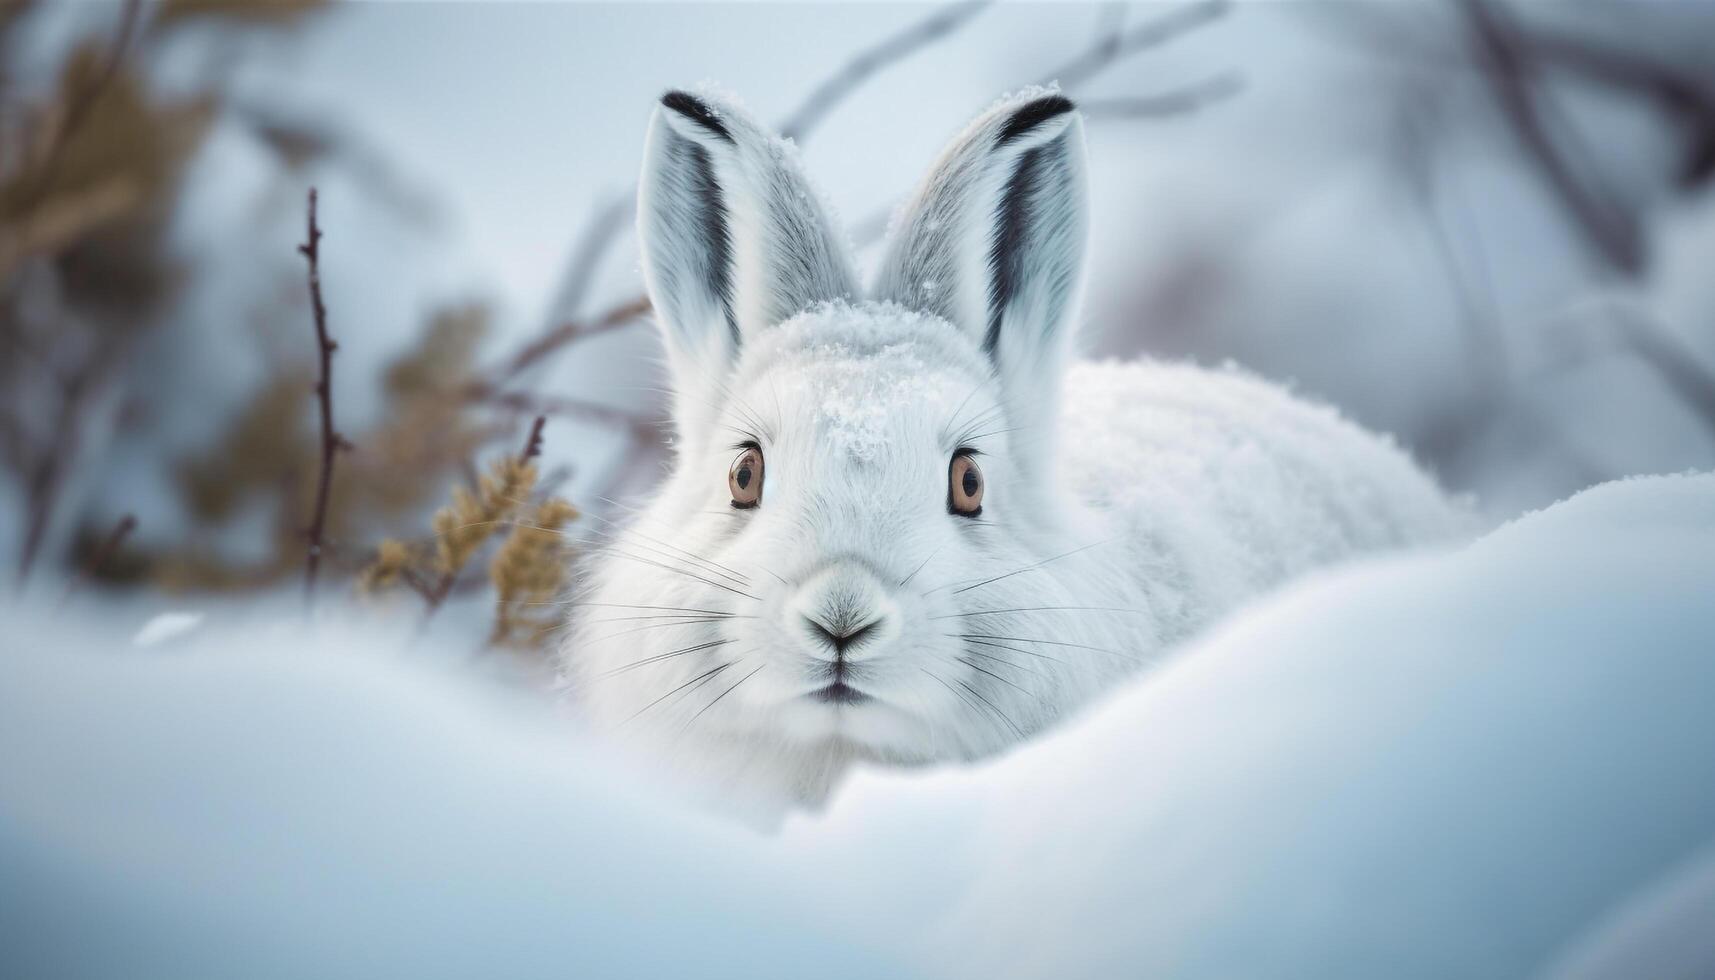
(863, 481)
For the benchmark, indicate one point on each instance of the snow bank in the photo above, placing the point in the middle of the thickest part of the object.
(1492, 762)
(1450, 765)
(286, 806)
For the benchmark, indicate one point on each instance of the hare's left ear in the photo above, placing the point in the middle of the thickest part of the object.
(734, 239)
(994, 242)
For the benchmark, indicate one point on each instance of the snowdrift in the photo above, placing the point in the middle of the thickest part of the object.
(1488, 762)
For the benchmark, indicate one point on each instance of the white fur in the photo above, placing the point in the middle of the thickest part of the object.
(1119, 517)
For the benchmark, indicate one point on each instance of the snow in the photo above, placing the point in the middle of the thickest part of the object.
(1490, 761)
(297, 806)
(1448, 765)
(166, 626)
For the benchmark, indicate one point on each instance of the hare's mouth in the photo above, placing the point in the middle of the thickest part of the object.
(839, 692)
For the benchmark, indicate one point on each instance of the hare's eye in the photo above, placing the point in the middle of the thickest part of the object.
(745, 478)
(964, 485)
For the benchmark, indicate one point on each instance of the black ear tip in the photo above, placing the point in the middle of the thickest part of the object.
(698, 111)
(1033, 114)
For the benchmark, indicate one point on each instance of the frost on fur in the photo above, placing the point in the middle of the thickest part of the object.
(844, 610)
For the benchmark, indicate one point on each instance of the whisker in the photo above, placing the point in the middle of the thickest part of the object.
(1002, 646)
(657, 658)
(1025, 609)
(651, 626)
(943, 682)
(1019, 571)
(955, 425)
(689, 555)
(1054, 643)
(981, 669)
(693, 684)
(498, 522)
(1001, 660)
(621, 531)
(994, 432)
(1003, 717)
(681, 571)
(677, 616)
(980, 419)
(919, 568)
(658, 552)
(681, 609)
(743, 408)
(723, 694)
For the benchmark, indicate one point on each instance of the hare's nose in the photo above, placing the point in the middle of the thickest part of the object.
(840, 636)
(844, 612)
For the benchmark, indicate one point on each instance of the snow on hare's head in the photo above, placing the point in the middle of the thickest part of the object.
(833, 564)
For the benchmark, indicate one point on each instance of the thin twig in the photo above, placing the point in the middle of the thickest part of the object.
(81, 105)
(1678, 366)
(600, 232)
(103, 555)
(332, 441)
(615, 317)
(1108, 49)
(533, 442)
(1163, 104)
(1511, 73)
(1679, 93)
(868, 62)
(523, 401)
(49, 471)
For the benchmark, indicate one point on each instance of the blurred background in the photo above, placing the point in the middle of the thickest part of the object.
(1485, 226)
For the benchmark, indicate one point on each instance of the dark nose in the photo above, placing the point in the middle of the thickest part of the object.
(840, 635)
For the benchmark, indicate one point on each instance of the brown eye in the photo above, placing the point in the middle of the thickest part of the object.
(964, 486)
(745, 479)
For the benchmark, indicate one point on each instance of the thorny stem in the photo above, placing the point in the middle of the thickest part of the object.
(332, 441)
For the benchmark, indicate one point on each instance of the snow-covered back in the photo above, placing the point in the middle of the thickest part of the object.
(1485, 762)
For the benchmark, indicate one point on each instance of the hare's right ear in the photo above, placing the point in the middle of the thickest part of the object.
(993, 242)
(734, 239)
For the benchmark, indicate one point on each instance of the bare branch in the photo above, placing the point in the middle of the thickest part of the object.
(869, 61)
(50, 466)
(533, 442)
(1677, 92)
(1677, 365)
(1511, 74)
(1164, 104)
(618, 418)
(82, 103)
(616, 316)
(332, 441)
(600, 232)
(1108, 50)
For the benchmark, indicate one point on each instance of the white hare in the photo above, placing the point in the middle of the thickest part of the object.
(900, 527)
